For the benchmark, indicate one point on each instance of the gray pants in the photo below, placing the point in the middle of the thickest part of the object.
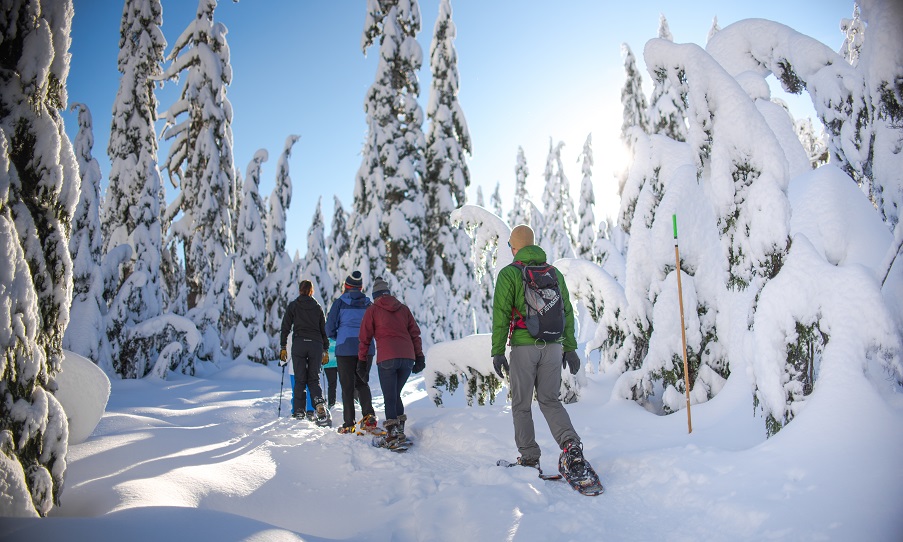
(539, 369)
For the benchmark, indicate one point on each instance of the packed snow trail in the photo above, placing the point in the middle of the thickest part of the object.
(213, 445)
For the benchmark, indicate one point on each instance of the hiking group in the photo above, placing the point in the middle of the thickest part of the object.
(532, 314)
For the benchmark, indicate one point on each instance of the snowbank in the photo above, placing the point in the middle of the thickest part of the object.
(83, 391)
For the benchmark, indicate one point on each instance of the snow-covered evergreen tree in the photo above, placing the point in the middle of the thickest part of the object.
(721, 181)
(558, 208)
(854, 33)
(250, 341)
(446, 179)
(337, 245)
(586, 229)
(282, 275)
(200, 156)
(316, 263)
(39, 191)
(135, 195)
(280, 200)
(860, 106)
(714, 29)
(667, 109)
(495, 201)
(394, 166)
(633, 99)
(813, 142)
(87, 338)
(520, 207)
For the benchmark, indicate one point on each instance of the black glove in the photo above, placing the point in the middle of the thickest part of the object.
(500, 363)
(362, 372)
(283, 358)
(419, 364)
(570, 361)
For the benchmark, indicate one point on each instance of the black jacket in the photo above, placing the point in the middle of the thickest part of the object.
(304, 318)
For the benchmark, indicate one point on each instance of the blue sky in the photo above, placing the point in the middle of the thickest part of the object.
(529, 70)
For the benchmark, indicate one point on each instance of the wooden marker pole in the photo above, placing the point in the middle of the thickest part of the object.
(683, 331)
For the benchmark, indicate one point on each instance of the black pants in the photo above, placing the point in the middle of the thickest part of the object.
(307, 356)
(352, 382)
(332, 377)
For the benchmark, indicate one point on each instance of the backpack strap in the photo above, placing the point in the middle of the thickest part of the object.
(517, 319)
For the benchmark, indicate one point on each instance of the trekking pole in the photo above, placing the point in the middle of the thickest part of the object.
(281, 384)
(683, 331)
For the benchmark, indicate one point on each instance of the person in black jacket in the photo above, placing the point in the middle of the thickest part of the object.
(305, 320)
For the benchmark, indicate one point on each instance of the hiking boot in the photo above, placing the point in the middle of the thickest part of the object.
(528, 462)
(369, 424)
(401, 419)
(391, 429)
(311, 415)
(298, 415)
(571, 458)
(346, 429)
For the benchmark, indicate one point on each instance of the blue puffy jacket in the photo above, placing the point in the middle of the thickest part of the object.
(344, 322)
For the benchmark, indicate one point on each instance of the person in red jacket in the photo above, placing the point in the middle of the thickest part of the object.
(399, 352)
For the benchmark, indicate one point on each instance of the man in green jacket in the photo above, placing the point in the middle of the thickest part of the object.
(535, 365)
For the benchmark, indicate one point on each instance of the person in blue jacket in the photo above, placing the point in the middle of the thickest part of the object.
(343, 325)
(332, 373)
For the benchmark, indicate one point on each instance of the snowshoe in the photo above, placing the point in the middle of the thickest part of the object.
(393, 439)
(521, 462)
(369, 424)
(346, 429)
(311, 416)
(577, 471)
(395, 445)
(322, 417)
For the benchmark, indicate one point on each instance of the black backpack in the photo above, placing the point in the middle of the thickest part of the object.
(544, 318)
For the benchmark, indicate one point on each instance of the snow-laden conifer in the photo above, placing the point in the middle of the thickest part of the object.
(135, 196)
(713, 29)
(87, 337)
(200, 156)
(280, 199)
(495, 201)
(250, 340)
(280, 286)
(633, 99)
(393, 165)
(520, 206)
(557, 235)
(860, 106)
(39, 191)
(586, 229)
(667, 110)
(337, 244)
(447, 177)
(316, 264)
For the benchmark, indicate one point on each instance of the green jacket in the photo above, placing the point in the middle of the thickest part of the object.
(509, 292)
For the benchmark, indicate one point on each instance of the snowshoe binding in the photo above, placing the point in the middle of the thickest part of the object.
(394, 439)
(370, 425)
(528, 462)
(322, 417)
(577, 471)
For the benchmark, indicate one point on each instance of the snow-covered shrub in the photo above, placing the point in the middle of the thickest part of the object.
(815, 323)
(445, 371)
(172, 338)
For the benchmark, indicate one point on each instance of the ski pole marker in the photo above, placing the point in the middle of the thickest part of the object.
(683, 330)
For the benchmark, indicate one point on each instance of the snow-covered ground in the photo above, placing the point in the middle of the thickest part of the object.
(206, 458)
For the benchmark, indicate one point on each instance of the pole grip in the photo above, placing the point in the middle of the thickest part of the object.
(674, 221)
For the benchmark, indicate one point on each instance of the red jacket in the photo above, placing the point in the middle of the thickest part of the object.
(391, 323)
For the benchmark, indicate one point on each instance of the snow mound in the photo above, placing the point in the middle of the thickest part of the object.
(83, 391)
